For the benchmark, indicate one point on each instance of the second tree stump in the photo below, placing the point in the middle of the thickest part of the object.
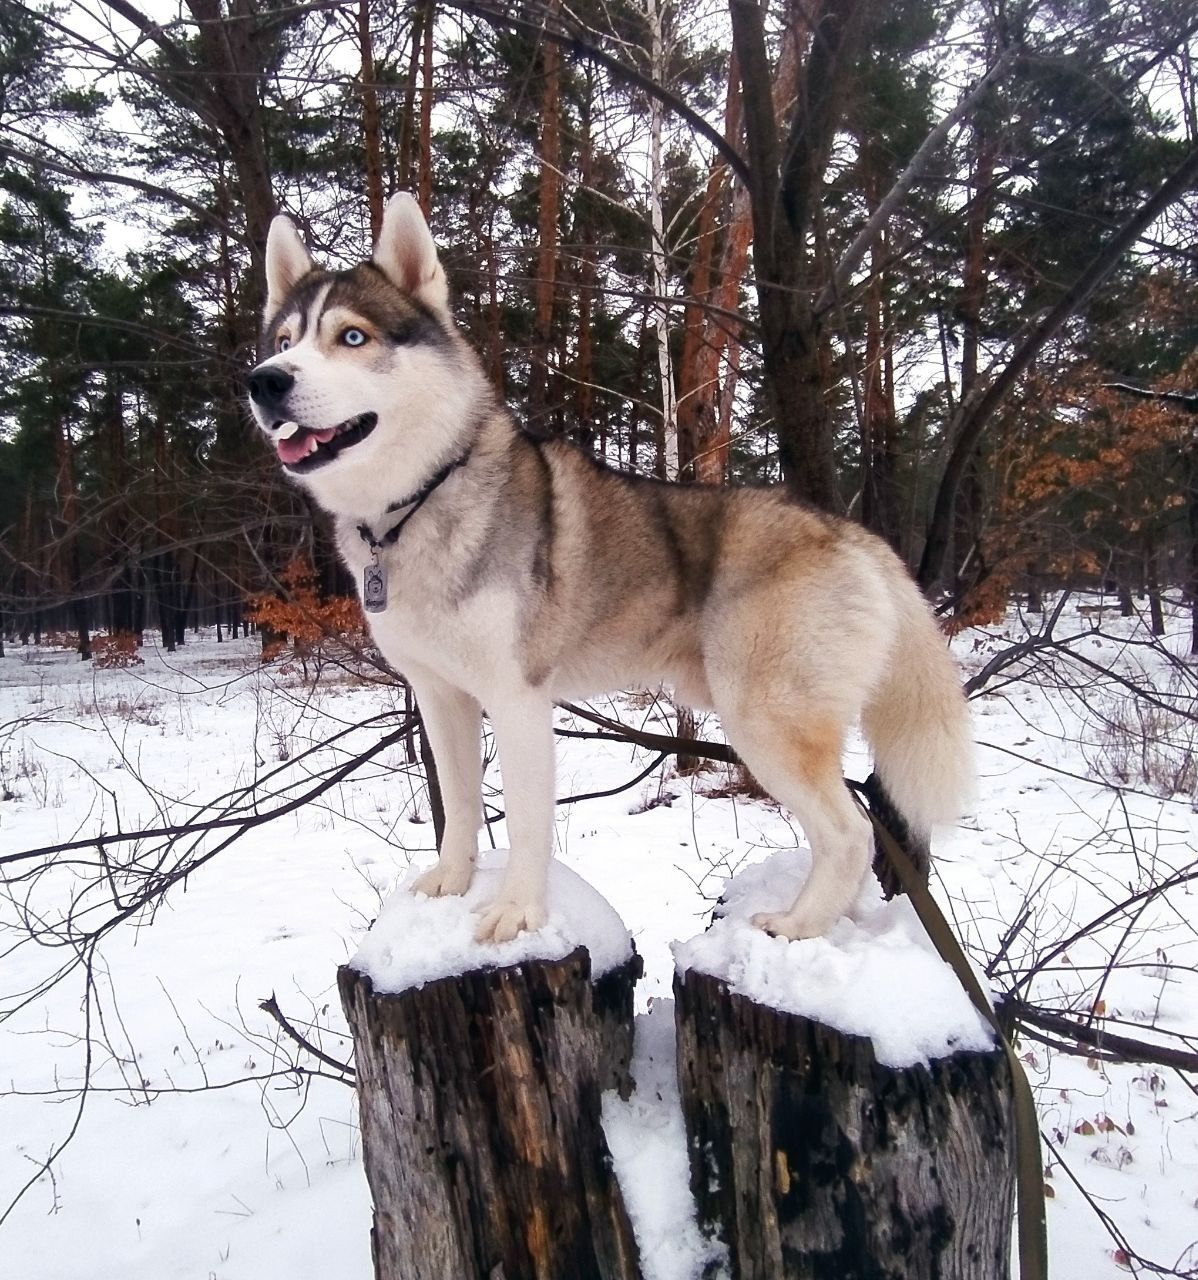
(848, 1114)
(810, 1159)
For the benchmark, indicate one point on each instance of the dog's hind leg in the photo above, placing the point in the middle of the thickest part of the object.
(796, 757)
(453, 721)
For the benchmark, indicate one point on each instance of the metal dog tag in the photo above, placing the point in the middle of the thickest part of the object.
(374, 587)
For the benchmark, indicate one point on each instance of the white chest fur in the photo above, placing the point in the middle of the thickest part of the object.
(469, 639)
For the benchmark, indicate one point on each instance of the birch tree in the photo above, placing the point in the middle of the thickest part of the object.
(659, 283)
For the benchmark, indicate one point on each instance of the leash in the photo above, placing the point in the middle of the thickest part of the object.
(1029, 1172)
(374, 576)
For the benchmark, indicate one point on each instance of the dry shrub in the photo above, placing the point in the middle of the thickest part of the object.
(117, 650)
(315, 627)
(68, 640)
(1146, 744)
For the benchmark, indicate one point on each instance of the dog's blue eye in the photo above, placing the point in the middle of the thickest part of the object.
(353, 337)
(284, 343)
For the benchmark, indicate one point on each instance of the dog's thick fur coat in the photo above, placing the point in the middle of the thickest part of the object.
(531, 573)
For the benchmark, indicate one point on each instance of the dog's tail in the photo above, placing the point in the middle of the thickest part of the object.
(917, 722)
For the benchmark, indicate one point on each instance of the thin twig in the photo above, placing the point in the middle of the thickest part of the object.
(271, 1005)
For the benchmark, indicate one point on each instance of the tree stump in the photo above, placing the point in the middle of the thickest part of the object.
(810, 1159)
(480, 1111)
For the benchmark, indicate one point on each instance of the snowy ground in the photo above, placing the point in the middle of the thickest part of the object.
(190, 1159)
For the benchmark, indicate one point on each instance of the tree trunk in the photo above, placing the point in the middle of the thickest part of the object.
(435, 803)
(685, 764)
(879, 461)
(587, 276)
(80, 617)
(1191, 491)
(496, 364)
(698, 389)
(635, 407)
(1035, 596)
(371, 132)
(163, 570)
(812, 1160)
(424, 193)
(407, 130)
(704, 408)
(187, 602)
(71, 572)
(786, 178)
(668, 465)
(481, 1134)
(1152, 564)
(967, 515)
(549, 208)
(720, 332)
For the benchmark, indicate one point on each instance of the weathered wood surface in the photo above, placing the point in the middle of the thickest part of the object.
(480, 1111)
(814, 1162)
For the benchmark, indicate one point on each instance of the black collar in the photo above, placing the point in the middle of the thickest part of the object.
(413, 503)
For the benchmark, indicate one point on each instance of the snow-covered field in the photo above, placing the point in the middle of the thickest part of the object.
(196, 1154)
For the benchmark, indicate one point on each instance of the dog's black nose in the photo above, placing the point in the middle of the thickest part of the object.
(269, 384)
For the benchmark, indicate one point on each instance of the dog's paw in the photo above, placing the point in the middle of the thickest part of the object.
(445, 880)
(504, 918)
(793, 925)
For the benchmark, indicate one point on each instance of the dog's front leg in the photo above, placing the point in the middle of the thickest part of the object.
(453, 721)
(524, 735)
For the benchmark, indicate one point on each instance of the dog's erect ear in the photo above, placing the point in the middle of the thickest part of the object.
(406, 255)
(287, 261)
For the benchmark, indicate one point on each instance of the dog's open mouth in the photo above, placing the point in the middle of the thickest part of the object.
(303, 449)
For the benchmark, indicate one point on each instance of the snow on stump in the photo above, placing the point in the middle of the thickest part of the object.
(848, 1112)
(479, 1072)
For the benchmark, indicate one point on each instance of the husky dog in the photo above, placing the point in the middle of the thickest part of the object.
(507, 572)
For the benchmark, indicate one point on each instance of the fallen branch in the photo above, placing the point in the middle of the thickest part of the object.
(1112, 1047)
(654, 741)
(271, 1005)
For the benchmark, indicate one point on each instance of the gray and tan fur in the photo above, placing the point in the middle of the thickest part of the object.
(532, 573)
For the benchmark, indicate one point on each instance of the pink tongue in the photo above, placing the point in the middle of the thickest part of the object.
(297, 448)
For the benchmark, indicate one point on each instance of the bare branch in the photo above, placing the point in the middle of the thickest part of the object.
(271, 1005)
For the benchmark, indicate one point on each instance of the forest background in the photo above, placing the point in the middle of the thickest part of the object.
(890, 255)
(931, 266)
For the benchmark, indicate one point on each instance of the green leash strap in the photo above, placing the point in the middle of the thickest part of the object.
(1029, 1179)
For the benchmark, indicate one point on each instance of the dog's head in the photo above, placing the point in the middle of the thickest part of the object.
(364, 387)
